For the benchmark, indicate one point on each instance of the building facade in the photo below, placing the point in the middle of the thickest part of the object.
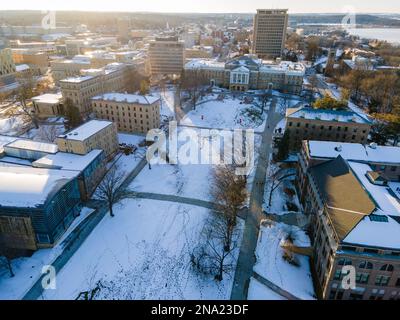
(92, 82)
(355, 221)
(7, 66)
(131, 113)
(166, 56)
(248, 73)
(269, 35)
(33, 218)
(48, 105)
(38, 61)
(327, 125)
(94, 134)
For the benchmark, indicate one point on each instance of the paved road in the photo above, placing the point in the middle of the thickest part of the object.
(246, 260)
(73, 242)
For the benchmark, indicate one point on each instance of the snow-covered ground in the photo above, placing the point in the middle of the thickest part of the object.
(280, 198)
(142, 253)
(186, 180)
(258, 291)
(45, 133)
(229, 113)
(272, 266)
(28, 270)
(11, 126)
(127, 163)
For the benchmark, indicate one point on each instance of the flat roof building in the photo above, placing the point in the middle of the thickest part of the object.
(130, 112)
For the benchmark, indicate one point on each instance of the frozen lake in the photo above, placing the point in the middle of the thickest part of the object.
(391, 35)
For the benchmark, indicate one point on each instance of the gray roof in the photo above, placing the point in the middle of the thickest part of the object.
(346, 200)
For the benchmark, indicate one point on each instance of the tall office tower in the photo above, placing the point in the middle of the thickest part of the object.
(166, 56)
(270, 32)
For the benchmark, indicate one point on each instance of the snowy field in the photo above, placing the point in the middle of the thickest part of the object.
(142, 253)
(258, 291)
(28, 270)
(186, 180)
(272, 266)
(227, 114)
(11, 126)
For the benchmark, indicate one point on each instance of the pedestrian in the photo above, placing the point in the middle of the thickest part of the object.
(149, 166)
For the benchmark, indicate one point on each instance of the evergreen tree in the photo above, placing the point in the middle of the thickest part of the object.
(283, 147)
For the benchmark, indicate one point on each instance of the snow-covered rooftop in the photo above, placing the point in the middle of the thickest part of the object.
(77, 79)
(128, 98)
(86, 130)
(30, 187)
(50, 98)
(376, 233)
(33, 145)
(326, 115)
(4, 140)
(204, 63)
(67, 161)
(21, 67)
(384, 199)
(354, 151)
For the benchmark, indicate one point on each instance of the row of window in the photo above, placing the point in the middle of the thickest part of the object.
(365, 265)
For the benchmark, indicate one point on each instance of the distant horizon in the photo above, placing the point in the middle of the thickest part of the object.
(188, 12)
(208, 6)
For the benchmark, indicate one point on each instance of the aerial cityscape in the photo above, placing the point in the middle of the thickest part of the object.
(200, 154)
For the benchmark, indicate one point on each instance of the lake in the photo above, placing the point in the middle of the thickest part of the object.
(391, 35)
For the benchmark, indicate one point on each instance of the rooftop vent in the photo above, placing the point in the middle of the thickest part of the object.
(373, 145)
(338, 148)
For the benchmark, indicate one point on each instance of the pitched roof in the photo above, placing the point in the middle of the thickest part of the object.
(347, 201)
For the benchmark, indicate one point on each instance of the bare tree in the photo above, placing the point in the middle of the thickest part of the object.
(229, 193)
(110, 189)
(48, 133)
(212, 256)
(26, 91)
(5, 259)
(276, 177)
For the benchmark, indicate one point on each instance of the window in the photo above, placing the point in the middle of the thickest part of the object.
(344, 262)
(387, 267)
(356, 296)
(362, 277)
(365, 265)
(398, 282)
(378, 218)
(382, 280)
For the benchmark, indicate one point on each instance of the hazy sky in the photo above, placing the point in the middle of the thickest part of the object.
(295, 6)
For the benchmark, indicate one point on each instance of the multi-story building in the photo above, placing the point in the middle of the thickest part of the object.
(37, 206)
(270, 32)
(80, 89)
(130, 112)
(167, 56)
(248, 72)
(7, 66)
(61, 69)
(48, 104)
(329, 125)
(37, 60)
(354, 208)
(95, 134)
(41, 191)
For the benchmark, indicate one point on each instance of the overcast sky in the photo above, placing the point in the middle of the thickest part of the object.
(295, 6)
